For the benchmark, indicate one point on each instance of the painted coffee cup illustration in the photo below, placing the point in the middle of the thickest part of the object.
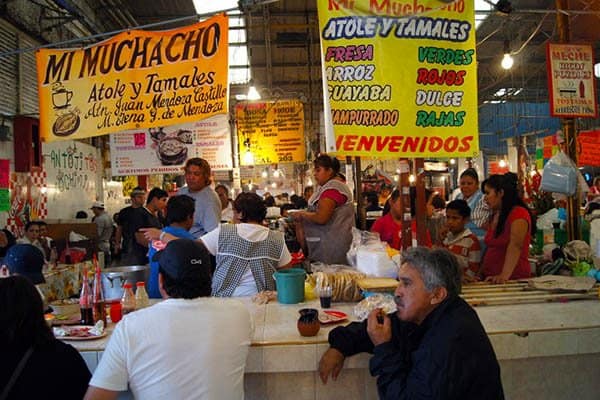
(61, 97)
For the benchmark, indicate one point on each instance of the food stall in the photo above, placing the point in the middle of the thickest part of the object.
(540, 346)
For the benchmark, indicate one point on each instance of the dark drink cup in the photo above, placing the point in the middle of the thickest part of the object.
(325, 296)
(325, 301)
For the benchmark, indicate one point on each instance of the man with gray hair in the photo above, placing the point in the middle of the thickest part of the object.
(207, 215)
(433, 347)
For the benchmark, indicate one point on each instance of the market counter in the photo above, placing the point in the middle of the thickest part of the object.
(546, 350)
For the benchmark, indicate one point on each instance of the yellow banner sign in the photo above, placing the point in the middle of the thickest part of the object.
(270, 132)
(399, 77)
(136, 79)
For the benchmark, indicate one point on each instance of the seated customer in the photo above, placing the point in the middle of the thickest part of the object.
(32, 236)
(180, 218)
(248, 253)
(432, 347)
(190, 346)
(34, 364)
(7, 240)
(461, 241)
(28, 261)
(45, 241)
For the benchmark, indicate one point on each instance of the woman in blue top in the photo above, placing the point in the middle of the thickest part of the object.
(180, 218)
(470, 192)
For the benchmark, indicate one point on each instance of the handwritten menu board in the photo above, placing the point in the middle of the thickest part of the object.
(73, 170)
(589, 148)
(399, 77)
(164, 150)
(272, 131)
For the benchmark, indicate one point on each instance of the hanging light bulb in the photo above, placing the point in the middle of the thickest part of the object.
(507, 60)
(452, 161)
(412, 178)
(274, 185)
(264, 174)
(396, 178)
(502, 163)
(276, 173)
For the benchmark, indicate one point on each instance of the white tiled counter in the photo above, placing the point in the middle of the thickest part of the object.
(546, 351)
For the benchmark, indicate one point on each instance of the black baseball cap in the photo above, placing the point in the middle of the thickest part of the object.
(184, 259)
(26, 260)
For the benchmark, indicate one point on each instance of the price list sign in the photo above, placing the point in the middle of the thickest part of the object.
(270, 132)
(400, 78)
(571, 80)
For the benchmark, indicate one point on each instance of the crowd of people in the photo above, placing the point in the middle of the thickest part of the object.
(199, 261)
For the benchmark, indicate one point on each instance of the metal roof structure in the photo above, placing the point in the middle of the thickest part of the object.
(284, 51)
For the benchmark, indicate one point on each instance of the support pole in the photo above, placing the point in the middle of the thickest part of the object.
(360, 207)
(404, 187)
(568, 128)
(421, 201)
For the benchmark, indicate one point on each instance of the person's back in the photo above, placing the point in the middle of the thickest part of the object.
(27, 340)
(47, 365)
(182, 349)
(190, 346)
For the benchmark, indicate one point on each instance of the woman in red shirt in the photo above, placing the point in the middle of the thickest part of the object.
(509, 234)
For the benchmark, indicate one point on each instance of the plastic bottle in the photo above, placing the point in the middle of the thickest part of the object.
(141, 296)
(99, 306)
(85, 300)
(128, 299)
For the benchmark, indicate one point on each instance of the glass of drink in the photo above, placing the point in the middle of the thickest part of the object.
(115, 312)
(325, 296)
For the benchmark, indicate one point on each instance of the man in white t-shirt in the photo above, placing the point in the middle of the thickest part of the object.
(189, 346)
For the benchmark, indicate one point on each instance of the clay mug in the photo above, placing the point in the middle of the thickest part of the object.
(308, 323)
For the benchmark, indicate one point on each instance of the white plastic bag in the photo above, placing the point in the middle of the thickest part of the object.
(376, 262)
(76, 237)
(560, 175)
(360, 238)
(545, 220)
